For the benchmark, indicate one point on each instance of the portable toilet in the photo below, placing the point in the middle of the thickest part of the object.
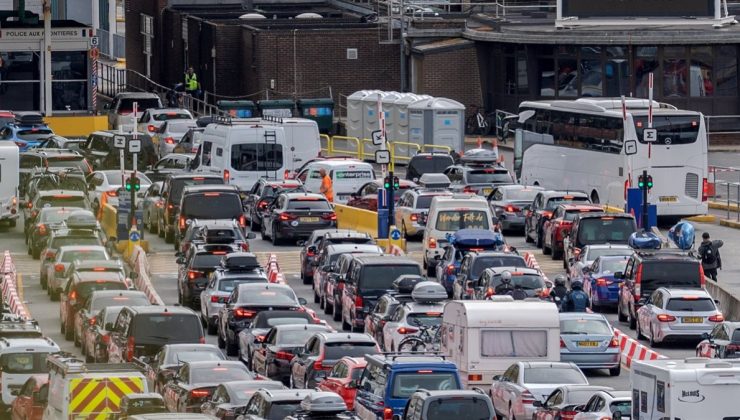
(438, 121)
(389, 107)
(370, 109)
(401, 109)
(355, 113)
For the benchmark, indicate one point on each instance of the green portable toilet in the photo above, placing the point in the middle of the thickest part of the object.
(281, 108)
(320, 110)
(238, 109)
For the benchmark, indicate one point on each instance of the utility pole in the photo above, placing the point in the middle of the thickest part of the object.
(402, 47)
(47, 58)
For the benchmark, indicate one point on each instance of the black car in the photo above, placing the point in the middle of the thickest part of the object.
(250, 339)
(295, 215)
(544, 204)
(168, 361)
(319, 239)
(172, 189)
(194, 269)
(262, 194)
(281, 343)
(102, 155)
(245, 302)
(427, 163)
(53, 159)
(208, 202)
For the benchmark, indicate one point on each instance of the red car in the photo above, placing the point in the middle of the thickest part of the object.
(30, 403)
(367, 196)
(343, 379)
(557, 227)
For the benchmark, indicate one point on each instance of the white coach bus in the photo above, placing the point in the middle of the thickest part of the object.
(595, 145)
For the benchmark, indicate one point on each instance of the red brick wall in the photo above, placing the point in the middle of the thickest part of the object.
(451, 74)
(135, 58)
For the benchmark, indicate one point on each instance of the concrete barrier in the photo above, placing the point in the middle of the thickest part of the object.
(631, 349)
(357, 219)
(140, 266)
(729, 303)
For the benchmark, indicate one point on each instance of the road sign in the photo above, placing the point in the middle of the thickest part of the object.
(94, 41)
(134, 146)
(378, 138)
(395, 234)
(119, 142)
(649, 135)
(134, 236)
(382, 157)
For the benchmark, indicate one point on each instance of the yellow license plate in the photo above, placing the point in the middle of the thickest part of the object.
(692, 320)
(310, 219)
(668, 198)
(487, 191)
(588, 344)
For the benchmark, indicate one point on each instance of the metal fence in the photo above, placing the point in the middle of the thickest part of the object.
(115, 50)
(727, 188)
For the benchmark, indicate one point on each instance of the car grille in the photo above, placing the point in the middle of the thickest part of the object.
(691, 188)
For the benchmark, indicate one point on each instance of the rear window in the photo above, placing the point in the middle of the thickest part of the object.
(690, 305)
(34, 134)
(84, 290)
(75, 240)
(612, 266)
(178, 185)
(62, 201)
(282, 318)
(429, 164)
(101, 302)
(524, 194)
(219, 374)
(207, 260)
(23, 363)
(381, 277)
(678, 129)
(294, 338)
(454, 220)
(166, 327)
(192, 356)
(280, 410)
(548, 375)
(456, 407)
(256, 157)
(584, 326)
(83, 254)
(228, 285)
(424, 201)
(212, 206)
(166, 116)
(428, 319)
(607, 229)
(482, 263)
(553, 202)
(74, 162)
(335, 351)
(669, 274)
(527, 281)
(126, 105)
(405, 384)
(53, 216)
(488, 176)
(321, 205)
(269, 297)
(593, 254)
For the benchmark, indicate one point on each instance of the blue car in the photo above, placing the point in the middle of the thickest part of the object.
(599, 282)
(389, 380)
(28, 130)
(460, 244)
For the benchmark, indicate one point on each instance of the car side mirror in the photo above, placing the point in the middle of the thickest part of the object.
(716, 301)
(643, 301)
(328, 268)
(302, 301)
(618, 275)
(312, 249)
(537, 403)
(251, 235)
(180, 261)
(497, 378)
(133, 275)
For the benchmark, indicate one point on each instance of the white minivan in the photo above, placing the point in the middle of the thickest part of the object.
(347, 177)
(9, 174)
(448, 214)
(301, 139)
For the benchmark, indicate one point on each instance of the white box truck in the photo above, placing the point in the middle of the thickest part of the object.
(693, 388)
(483, 338)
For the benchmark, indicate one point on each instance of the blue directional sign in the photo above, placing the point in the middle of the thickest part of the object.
(135, 236)
(395, 234)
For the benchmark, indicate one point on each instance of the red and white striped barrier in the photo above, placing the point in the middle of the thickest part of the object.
(273, 270)
(531, 262)
(632, 350)
(396, 250)
(10, 288)
(140, 265)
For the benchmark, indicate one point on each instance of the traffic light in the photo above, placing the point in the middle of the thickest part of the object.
(645, 182)
(133, 183)
(640, 182)
(396, 183)
(649, 182)
(387, 183)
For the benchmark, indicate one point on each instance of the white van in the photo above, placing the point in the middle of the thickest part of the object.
(9, 176)
(448, 214)
(483, 338)
(693, 388)
(301, 138)
(242, 152)
(347, 177)
(21, 358)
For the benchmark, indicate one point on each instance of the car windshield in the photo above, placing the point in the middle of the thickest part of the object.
(405, 384)
(670, 274)
(212, 206)
(613, 265)
(584, 326)
(83, 254)
(321, 205)
(267, 320)
(192, 356)
(553, 202)
(34, 134)
(166, 116)
(75, 162)
(127, 300)
(468, 408)
(294, 337)
(550, 375)
(454, 220)
(690, 305)
(335, 351)
(228, 285)
(178, 185)
(269, 297)
(219, 374)
(167, 327)
(605, 229)
(280, 409)
(482, 263)
(522, 194)
(23, 363)
(489, 176)
(427, 319)
(381, 277)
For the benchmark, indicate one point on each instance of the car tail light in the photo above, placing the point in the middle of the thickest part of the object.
(29, 205)
(244, 313)
(717, 318)
(91, 321)
(469, 189)
(182, 222)
(199, 393)
(169, 140)
(512, 209)
(387, 413)
(286, 216)
(704, 190)
(475, 377)
(130, 349)
(358, 301)
(42, 230)
(601, 282)
(262, 204)
(151, 128)
(702, 279)
(666, 318)
(562, 343)
(310, 253)
(451, 269)
(245, 246)
(614, 342)
(284, 355)
(317, 365)
(73, 295)
(527, 397)
(407, 330)
(105, 338)
(59, 268)
(414, 217)
(432, 243)
(242, 221)
(227, 176)
(330, 216)
(50, 254)
(194, 274)
(638, 282)
(286, 174)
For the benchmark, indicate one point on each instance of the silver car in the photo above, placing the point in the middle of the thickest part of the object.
(588, 341)
(56, 275)
(153, 118)
(677, 313)
(170, 134)
(590, 253)
(120, 111)
(510, 202)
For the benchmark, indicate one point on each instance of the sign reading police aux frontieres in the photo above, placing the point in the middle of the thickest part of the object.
(637, 8)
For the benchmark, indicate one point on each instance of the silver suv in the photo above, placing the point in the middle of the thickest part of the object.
(442, 405)
(120, 111)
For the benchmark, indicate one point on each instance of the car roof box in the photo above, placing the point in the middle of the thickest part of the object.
(240, 261)
(429, 291)
(29, 118)
(644, 240)
(82, 219)
(482, 238)
(324, 402)
(434, 181)
(405, 284)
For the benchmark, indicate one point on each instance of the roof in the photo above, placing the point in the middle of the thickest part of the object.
(196, 189)
(384, 260)
(107, 293)
(581, 207)
(287, 394)
(338, 337)
(582, 315)
(91, 276)
(166, 110)
(411, 360)
(486, 313)
(161, 309)
(607, 246)
(81, 248)
(552, 365)
(45, 342)
(683, 293)
(338, 163)
(262, 286)
(171, 416)
(352, 247)
(216, 363)
(595, 215)
(555, 193)
(191, 176)
(298, 195)
(343, 233)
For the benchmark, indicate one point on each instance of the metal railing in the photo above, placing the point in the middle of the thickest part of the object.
(726, 182)
(118, 49)
(401, 152)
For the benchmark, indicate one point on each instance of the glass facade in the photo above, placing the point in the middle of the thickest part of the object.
(69, 80)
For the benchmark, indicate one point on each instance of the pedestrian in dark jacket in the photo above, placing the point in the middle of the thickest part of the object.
(711, 261)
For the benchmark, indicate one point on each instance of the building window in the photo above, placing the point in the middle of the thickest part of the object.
(646, 62)
(20, 81)
(726, 71)
(675, 72)
(701, 72)
(547, 76)
(617, 72)
(69, 80)
(567, 77)
(522, 80)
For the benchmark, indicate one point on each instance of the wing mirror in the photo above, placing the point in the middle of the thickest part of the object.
(302, 301)
(618, 275)
(537, 403)
(328, 268)
(180, 261)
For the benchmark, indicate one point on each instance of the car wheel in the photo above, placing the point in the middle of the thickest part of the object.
(431, 271)
(211, 328)
(403, 230)
(336, 311)
(264, 234)
(565, 263)
(652, 341)
(255, 226)
(317, 298)
(160, 228)
(556, 253)
(345, 325)
(76, 339)
(169, 236)
(638, 331)
(96, 206)
(232, 349)
(306, 279)
(620, 316)
(615, 371)
(328, 307)
(12, 223)
(632, 321)
(291, 385)
(35, 253)
(546, 250)
(275, 240)
(221, 342)
(528, 239)
(539, 241)
(69, 333)
(42, 281)
(54, 296)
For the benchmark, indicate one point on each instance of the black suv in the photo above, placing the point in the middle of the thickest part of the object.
(143, 330)
(543, 205)
(648, 270)
(215, 232)
(597, 228)
(319, 239)
(102, 155)
(208, 202)
(194, 269)
(423, 163)
(172, 189)
(475, 263)
(262, 194)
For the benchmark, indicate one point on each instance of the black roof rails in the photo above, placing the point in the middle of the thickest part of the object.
(393, 355)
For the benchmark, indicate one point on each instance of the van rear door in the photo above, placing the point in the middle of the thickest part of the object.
(347, 179)
(90, 397)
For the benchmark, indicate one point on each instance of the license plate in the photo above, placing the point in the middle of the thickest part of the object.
(692, 320)
(588, 344)
(487, 191)
(310, 219)
(668, 198)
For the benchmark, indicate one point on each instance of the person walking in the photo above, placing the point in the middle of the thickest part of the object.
(192, 86)
(709, 254)
(327, 187)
